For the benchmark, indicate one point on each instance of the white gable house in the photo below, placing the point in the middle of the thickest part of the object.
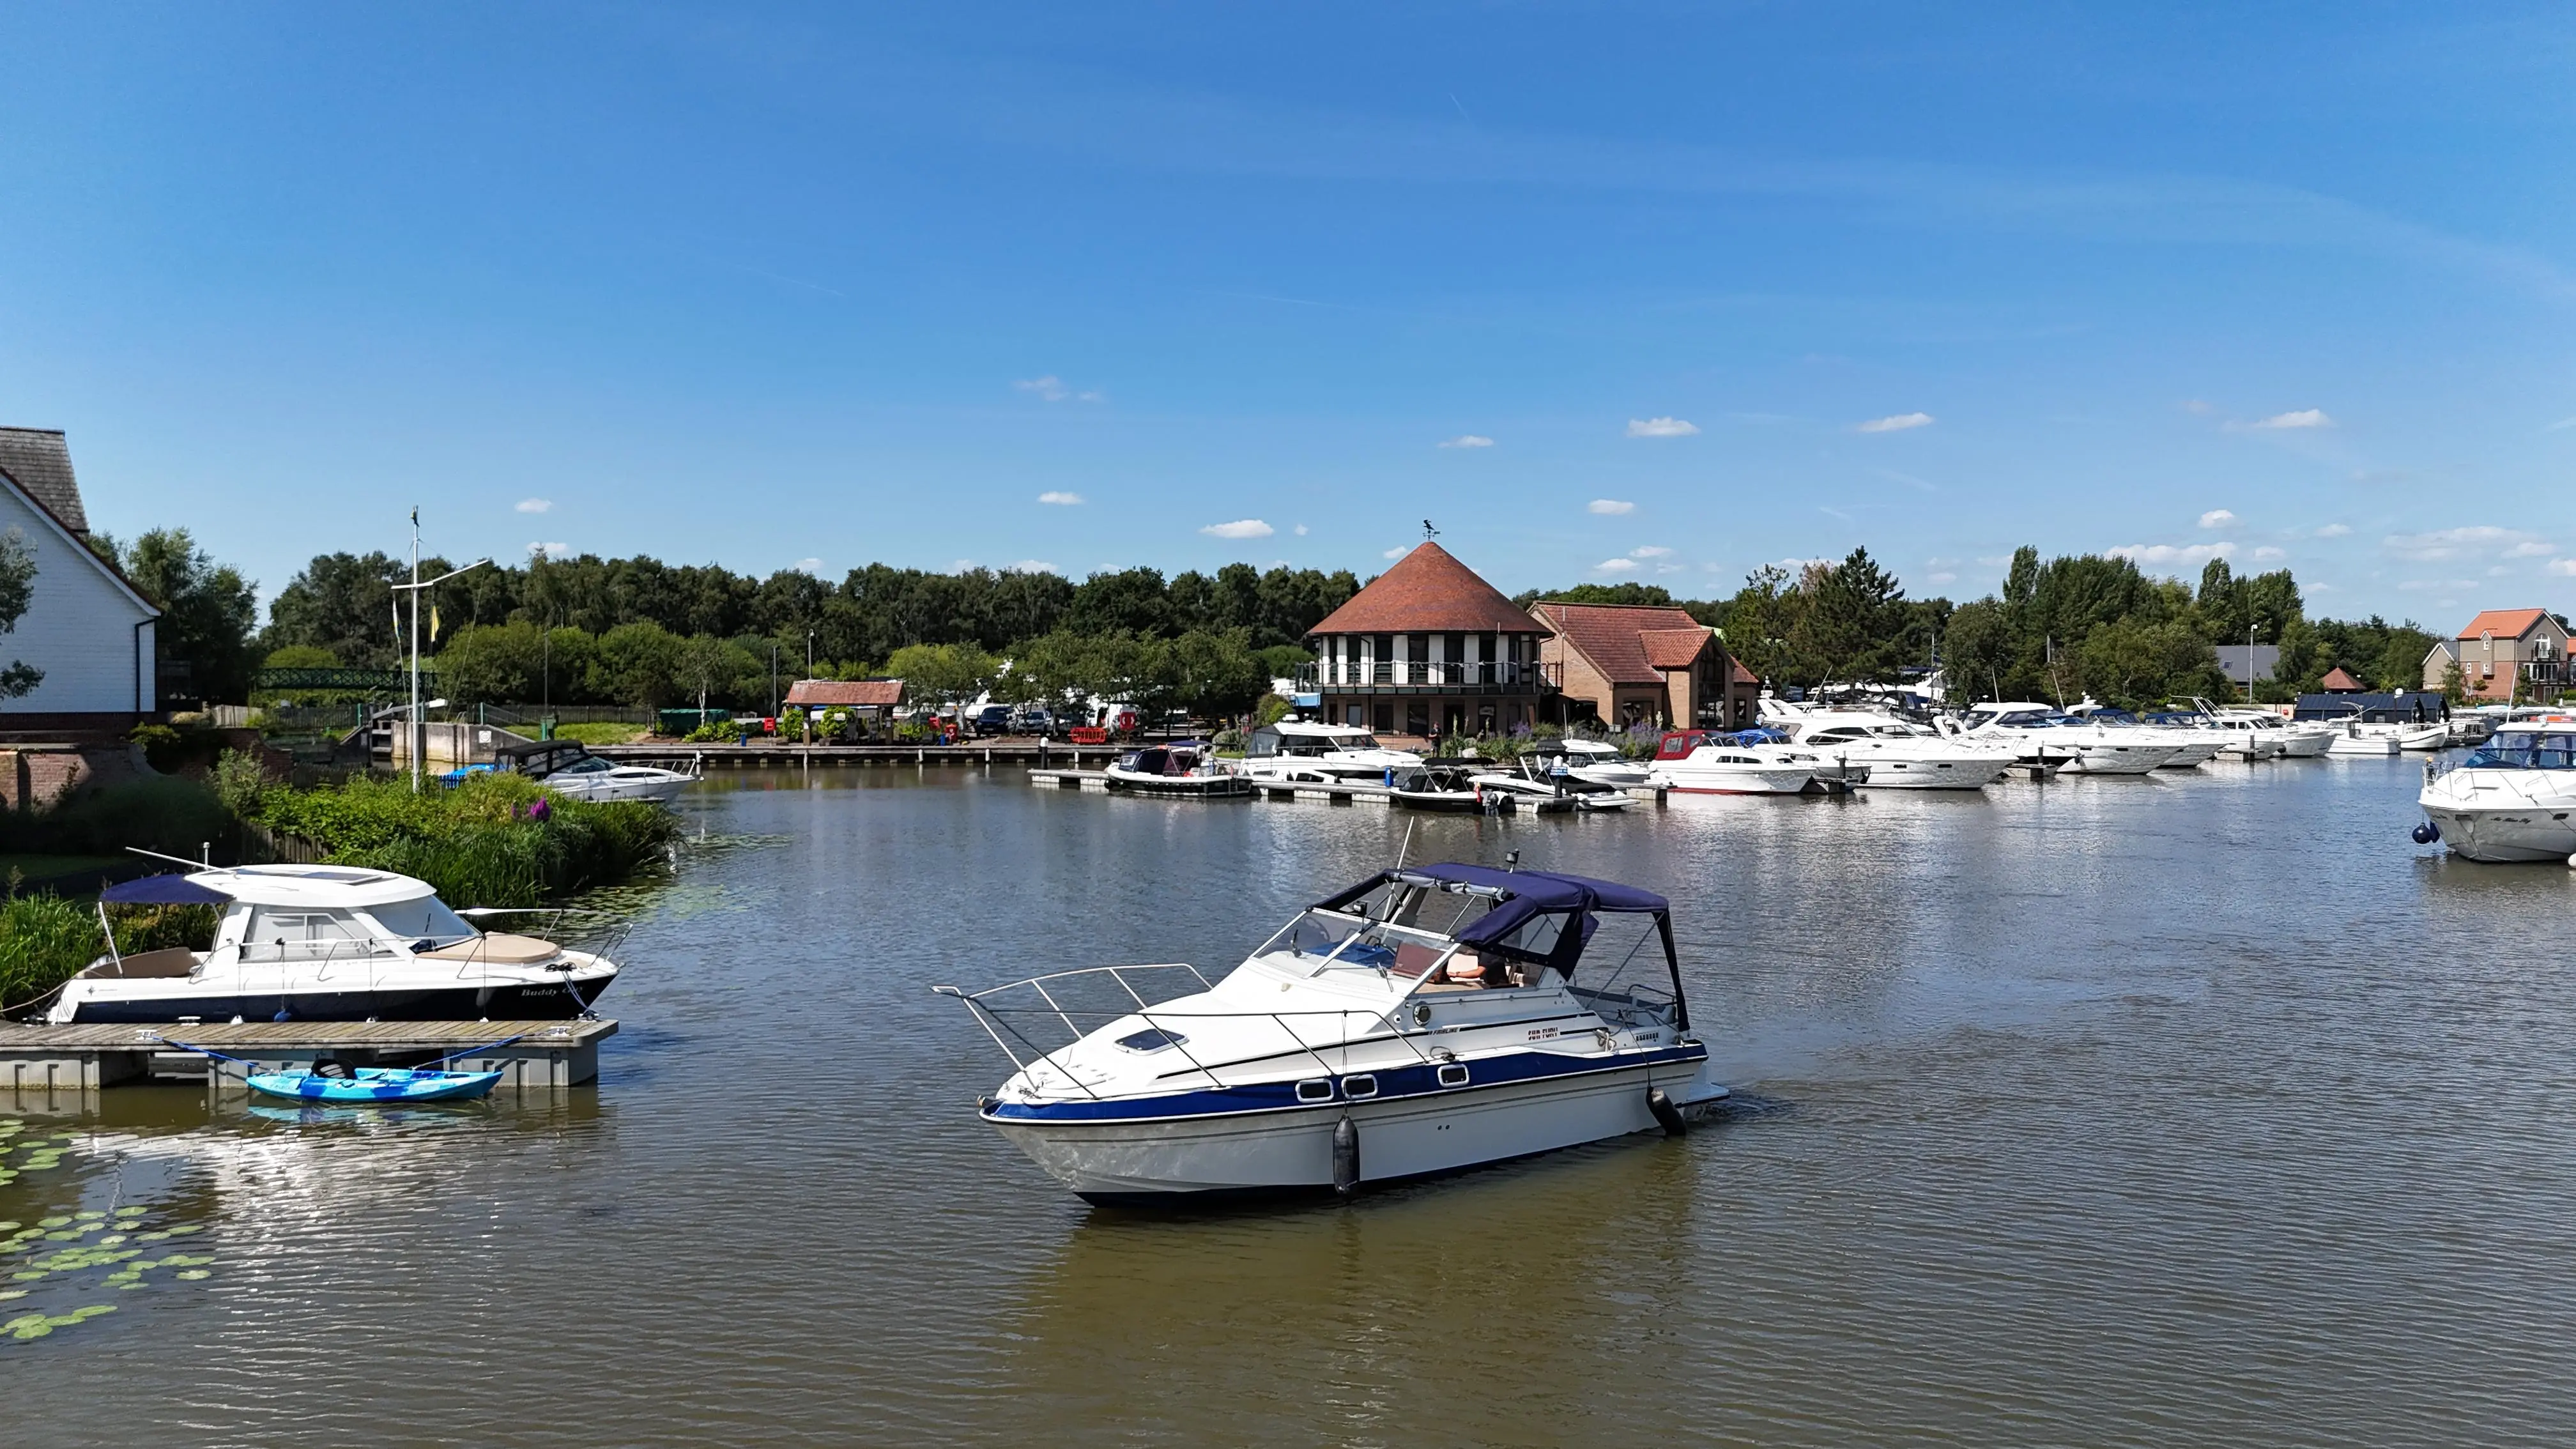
(85, 627)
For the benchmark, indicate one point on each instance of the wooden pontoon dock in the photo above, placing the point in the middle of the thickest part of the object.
(548, 1056)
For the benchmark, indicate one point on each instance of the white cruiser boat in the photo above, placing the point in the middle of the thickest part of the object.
(2513, 798)
(2352, 737)
(2193, 743)
(1306, 752)
(2046, 734)
(1600, 763)
(1187, 769)
(327, 943)
(1712, 762)
(1901, 755)
(569, 769)
(1548, 790)
(1419, 1022)
(2297, 740)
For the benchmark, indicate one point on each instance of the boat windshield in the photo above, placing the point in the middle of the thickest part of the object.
(1321, 940)
(2526, 750)
(424, 919)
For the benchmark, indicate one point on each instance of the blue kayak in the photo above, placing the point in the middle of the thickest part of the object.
(376, 1084)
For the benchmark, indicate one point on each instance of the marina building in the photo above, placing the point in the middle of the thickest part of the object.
(1629, 665)
(1429, 645)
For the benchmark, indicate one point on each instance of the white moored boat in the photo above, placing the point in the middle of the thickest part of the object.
(2512, 799)
(1307, 752)
(1419, 1022)
(1187, 769)
(2046, 734)
(1712, 762)
(1900, 755)
(1600, 763)
(568, 768)
(327, 943)
(2297, 740)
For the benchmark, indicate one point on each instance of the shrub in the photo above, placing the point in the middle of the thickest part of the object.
(162, 745)
(599, 734)
(240, 780)
(45, 940)
(476, 843)
(168, 814)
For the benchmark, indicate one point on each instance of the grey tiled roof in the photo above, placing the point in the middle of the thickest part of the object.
(40, 462)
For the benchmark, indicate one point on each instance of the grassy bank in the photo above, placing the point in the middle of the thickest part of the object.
(482, 843)
(45, 938)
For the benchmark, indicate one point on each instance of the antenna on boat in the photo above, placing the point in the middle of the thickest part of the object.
(174, 859)
(1406, 848)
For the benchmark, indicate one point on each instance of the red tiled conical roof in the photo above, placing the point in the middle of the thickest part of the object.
(2338, 682)
(1428, 591)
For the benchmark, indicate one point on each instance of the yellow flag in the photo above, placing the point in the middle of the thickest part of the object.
(433, 621)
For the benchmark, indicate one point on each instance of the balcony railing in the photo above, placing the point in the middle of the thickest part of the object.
(1428, 674)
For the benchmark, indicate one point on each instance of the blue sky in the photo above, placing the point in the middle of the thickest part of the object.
(1655, 291)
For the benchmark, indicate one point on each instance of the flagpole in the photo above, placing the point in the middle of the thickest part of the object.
(419, 735)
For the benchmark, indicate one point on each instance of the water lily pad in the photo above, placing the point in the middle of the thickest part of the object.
(186, 1228)
(195, 1273)
(152, 1237)
(34, 1331)
(111, 1240)
(131, 1212)
(93, 1310)
(54, 1222)
(90, 1213)
(8, 1293)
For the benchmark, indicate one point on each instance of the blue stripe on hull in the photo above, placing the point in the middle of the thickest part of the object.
(1418, 1080)
(458, 1003)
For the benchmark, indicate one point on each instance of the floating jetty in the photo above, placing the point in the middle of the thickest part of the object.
(1339, 792)
(784, 755)
(548, 1055)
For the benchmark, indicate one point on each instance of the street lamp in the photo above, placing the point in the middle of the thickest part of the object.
(419, 731)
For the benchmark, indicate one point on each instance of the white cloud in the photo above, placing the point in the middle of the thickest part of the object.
(2477, 538)
(2194, 405)
(1052, 389)
(2334, 530)
(1660, 428)
(535, 505)
(1610, 505)
(1994, 561)
(2217, 518)
(1615, 566)
(2303, 418)
(812, 566)
(1029, 566)
(2566, 566)
(1240, 528)
(2268, 553)
(1652, 550)
(550, 550)
(1059, 497)
(2562, 423)
(1301, 530)
(1944, 577)
(1468, 440)
(1395, 553)
(2164, 554)
(1896, 424)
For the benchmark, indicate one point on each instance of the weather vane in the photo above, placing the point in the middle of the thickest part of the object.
(1428, 531)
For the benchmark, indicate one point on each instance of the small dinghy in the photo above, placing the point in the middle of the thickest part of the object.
(375, 1084)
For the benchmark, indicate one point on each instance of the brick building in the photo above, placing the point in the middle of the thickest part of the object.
(2505, 654)
(1429, 645)
(1633, 664)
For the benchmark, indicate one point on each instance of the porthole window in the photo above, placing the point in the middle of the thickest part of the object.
(1318, 1090)
(1453, 1074)
(1359, 1089)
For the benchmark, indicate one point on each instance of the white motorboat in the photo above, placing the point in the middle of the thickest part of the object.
(328, 943)
(2192, 741)
(1452, 787)
(1551, 790)
(2046, 734)
(1186, 769)
(2353, 738)
(1900, 754)
(1596, 761)
(1419, 1022)
(2513, 798)
(568, 768)
(2297, 740)
(1711, 762)
(1307, 752)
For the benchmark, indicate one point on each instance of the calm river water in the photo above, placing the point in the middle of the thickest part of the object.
(2177, 1111)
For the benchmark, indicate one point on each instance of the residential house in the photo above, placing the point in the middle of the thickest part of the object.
(1429, 645)
(2505, 654)
(1640, 664)
(86, 628)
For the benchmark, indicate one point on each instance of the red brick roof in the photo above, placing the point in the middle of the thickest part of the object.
(2506, 623)
(1427, 592)
(1737, 673)
(1628, 643)
(847, 693)
(2338, 682)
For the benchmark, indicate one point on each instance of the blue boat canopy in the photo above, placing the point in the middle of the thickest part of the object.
(163, 890)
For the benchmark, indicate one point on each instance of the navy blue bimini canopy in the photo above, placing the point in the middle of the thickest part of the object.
(163, 890)
(1518, 895)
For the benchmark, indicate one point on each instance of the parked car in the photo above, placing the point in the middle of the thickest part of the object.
(993, 719)
(1033, 721)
